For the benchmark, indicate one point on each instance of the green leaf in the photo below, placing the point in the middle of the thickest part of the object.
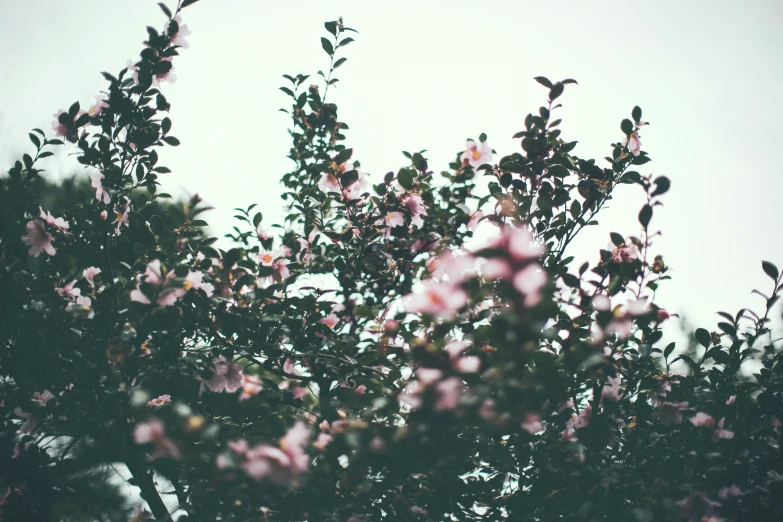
(668, 350)
(703, 337)
(771, 270)
(36, 141)
(327, 45)
(570, 280)
(645, 215)
(345, 42)
(662, 185)
(641, 160)
(543, 81)
(349, 177)
(576, 208)
(617, 239)
(631, 177)
(165, 9)
(558, 171)
(556, 90)
(405, 178)
(636, 114)
(339, 62)
(331, 27)
(186, 3)
(171, 140)
(626, 126)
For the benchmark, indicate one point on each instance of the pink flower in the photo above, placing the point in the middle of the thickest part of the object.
(441, 300)
(68, 290)
(671, 412)
(330, 320)
(468, 364)
(529, 282)
(281, 270)
(455, 268)
(101, 194)
(476, 155)
(122, 215)
(153, 432)
(633, 143)
(449, 392)
(104, 215)
(732, 491)
(663, 315)
(251, 385)
(148, 431)
(582, 420)
(721, 432)
(196, 280)
(415, 206)
(731, 400)
(425, 244)
(391, 220)
(357, 189)
(281, 465)
(167, 76)
(532, 423)
(153, 275)
(702, 419)
(138, 296)
(90, 273)
(43, 398)
(268, 257)
(178, 38)
(159, 401)
(83, 301)
(625, 254)
(97, 107)
(322, 441)
(262, 233)
(239, 447)
(520, 244)
(428, 375)
(228, 376)
(329, 183)
(495, 268)
(59, 223)
(59, 129)
(38, 239)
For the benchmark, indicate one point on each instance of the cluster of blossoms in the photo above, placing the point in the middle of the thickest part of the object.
(281, 464)
(153, 432)
(74, 294)
(38, 238)
(329, 182)
(167, 290)
(277, 261)
(511, 256)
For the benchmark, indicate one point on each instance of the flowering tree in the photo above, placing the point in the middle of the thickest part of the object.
(369, 358)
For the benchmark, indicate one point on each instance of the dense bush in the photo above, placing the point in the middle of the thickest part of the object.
(367, 359)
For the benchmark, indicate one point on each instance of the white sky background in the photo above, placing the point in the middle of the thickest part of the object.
(428, 75)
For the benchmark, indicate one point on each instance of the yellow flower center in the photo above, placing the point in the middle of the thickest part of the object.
(476, 154)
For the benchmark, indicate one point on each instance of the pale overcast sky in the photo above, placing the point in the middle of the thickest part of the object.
(428, 75)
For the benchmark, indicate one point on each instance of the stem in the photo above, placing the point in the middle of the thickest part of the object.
(149, 492)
